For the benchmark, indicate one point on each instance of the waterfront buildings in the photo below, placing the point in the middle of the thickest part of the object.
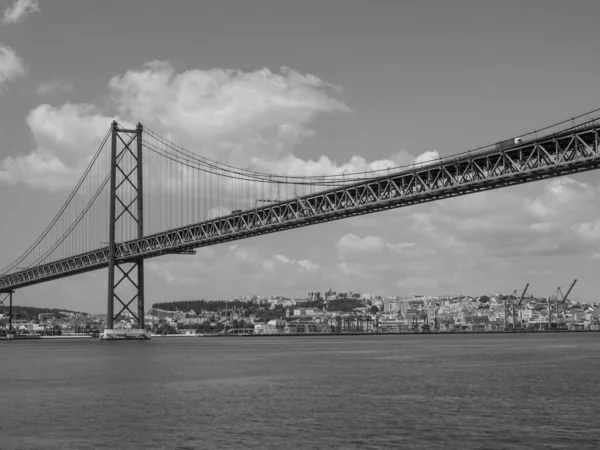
(341, 312)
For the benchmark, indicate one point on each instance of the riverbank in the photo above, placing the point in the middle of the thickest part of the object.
(404, 333)
(284, 335)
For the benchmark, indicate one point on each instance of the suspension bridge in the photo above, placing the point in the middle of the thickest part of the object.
(143, 196)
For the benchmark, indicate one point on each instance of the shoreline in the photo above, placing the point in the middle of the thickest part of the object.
(284, 335)
(403, 333)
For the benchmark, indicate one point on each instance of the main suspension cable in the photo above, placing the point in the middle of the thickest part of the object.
(66, 204)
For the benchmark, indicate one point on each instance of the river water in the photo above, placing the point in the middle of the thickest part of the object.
(424, 392)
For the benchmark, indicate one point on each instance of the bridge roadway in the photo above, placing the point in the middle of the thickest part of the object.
(562, 153)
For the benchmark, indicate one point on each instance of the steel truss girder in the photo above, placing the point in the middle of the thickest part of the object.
(565, 153)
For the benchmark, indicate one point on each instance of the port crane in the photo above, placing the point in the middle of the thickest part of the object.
(510, 309)
(514, 310)
(559, 303)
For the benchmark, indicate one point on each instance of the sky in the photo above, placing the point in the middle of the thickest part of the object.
(381, 80)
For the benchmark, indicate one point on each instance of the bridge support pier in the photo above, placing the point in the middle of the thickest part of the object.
(126, 210)
(9, 297)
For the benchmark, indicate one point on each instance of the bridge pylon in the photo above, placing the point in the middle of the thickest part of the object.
(8, 295)
(125, 275)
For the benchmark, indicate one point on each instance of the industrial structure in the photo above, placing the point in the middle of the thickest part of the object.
(559, 300)
(511, 307)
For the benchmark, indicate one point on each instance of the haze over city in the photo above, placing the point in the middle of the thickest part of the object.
(291, 92)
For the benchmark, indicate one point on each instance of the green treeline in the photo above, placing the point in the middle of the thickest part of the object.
(250, 307)
(32, 312)
(204, 305)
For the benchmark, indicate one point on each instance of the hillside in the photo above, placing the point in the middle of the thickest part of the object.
(201, 305)
(32, 312)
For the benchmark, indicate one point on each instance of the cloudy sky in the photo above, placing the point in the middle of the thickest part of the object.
(319, 85)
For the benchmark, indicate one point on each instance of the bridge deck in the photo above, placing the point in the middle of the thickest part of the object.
(562, 153)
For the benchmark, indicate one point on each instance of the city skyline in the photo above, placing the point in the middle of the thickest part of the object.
(378, 83)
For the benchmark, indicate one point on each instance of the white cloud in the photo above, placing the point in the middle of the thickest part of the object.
(11, 66)
(401, 247)
(249, 119)
(20, 10)
(305, 264)
(308, 265)
(428, 156)
(245, 256)
(53, 87)
(560, 196)
(588, 231)
(229, 115)
(283, 259)
(351, 243)
(291, 165)
(543, 227)
(66, 138)
(555, 217)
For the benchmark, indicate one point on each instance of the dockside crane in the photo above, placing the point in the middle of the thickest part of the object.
(560, 302)
(514, 310)
(509, 307)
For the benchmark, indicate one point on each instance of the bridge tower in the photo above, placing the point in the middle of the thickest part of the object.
(126, 214)
(8, 295)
